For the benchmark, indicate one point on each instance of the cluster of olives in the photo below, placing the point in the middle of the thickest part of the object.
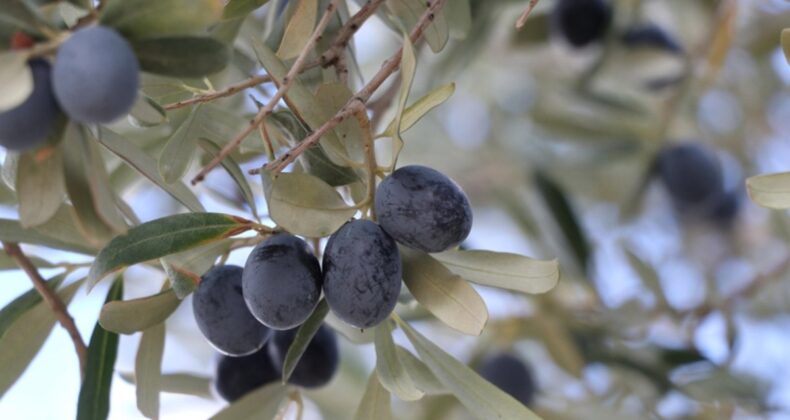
(508, 373)
(694, 179)
(239, 310)
(94, 80)
(237, 376)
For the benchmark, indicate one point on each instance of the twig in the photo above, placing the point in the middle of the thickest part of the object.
(230, 90)
(335, 52)
(297, 68)
(52, 299)
(358, 101)
(522, 20)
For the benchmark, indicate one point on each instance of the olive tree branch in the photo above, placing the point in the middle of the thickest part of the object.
(359, 100)
(522, 20)
(52, 299)
(335, 52)
(297, 68)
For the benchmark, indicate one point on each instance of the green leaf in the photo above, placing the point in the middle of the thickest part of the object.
(302, 102)
(131, 316)
(144, 19)
(408, 70)
(446, 295)
(332, 97)
(786, 43)
(240, 8)
(389, 368)
(148, 370)
(19, 306)
(8, 263)
(146, 165)
(771, 191)
(182, 56)
(179, 383)
(22, 338)
(16, 79)
(420, 374)
(299, 28)
(94, 399)
(263, 403)
(21, 15)
(40, 187)
(480, 397)
(562, 212)
(355, 335)
(146, 112)
(409, 13)
(375, 402)
(99, 181)
(185, 268)
(180, 148)
(12, 231)
(419, 108)
(234, 170)
(305, 205)
(162, 237)
(303, 338)
(502, 270)
(648, 275)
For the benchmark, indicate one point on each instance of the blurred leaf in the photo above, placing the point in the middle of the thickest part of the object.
(146, 165)
(503, 270)
(12, 231)
(560, 345)
(332, 97)
(303, 338)
(355, 335)
(144, 19)
(40, 187)
(481, 398)
(302, 102)
(22, 338)
(446, 295)
(408, 69)
(305, 205)
(8, 263)
(161, 237)
(94, 399)
(179, 383)
(410, 11)
(459, 18)
(98, 180)
(263, 403)
(21, 15)
(419, 108)
(649, 277)
(420, 374)
(771, 191)
(240, 8)
(16, 79)
(390, 370)
(28, 300)
(299, 28)
(146, 112)
(375, 403)
(562, 212)
(234, 170)
(182, 56)
(131, 316)
(148, 370)
(786, 43)
(90, 222)
(180, 148)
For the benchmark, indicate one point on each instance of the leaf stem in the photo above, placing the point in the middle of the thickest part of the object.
(522, 20)
(52, 299)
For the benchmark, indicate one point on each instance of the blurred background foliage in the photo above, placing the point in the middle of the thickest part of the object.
(661, 312)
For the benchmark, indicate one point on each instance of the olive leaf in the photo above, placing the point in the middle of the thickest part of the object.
(240, 8)
(40, 187)
(375, 403)
(16, 79)
(299, 28)
(390, 369)
(182, 56)
(418, 109)
(446, 295)
(303, 338)
(771, 191)
(410, 11)
(263, 403)
(144, 19)
(179, 383)
(131, 316)
(148, 370)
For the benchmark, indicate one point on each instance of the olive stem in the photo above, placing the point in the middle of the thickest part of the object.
(53, 300)
(285, 84)
(522, 20)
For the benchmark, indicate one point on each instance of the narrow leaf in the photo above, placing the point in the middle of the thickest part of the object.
(299, 29)
(419, 108)
(11, 230)
(16, 79)
(146, 165)
(180, 148)
(146, 112)
(771, 191)
(179, 383)
(148, 370)
(22, 339)
(182, 56)
(483, 399)
(161, 237)
(131, 316)
(240, 8)
(503, 270)
(19, 306)
(39, 187)
(408, 70)
(446, 295)
(375, 402)
(234, 170)
(263, 403)
(422, 376)
(305, 205)
(94, 398)
(389, 368)
(303, 337)
(142, 19)
(410, 11)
